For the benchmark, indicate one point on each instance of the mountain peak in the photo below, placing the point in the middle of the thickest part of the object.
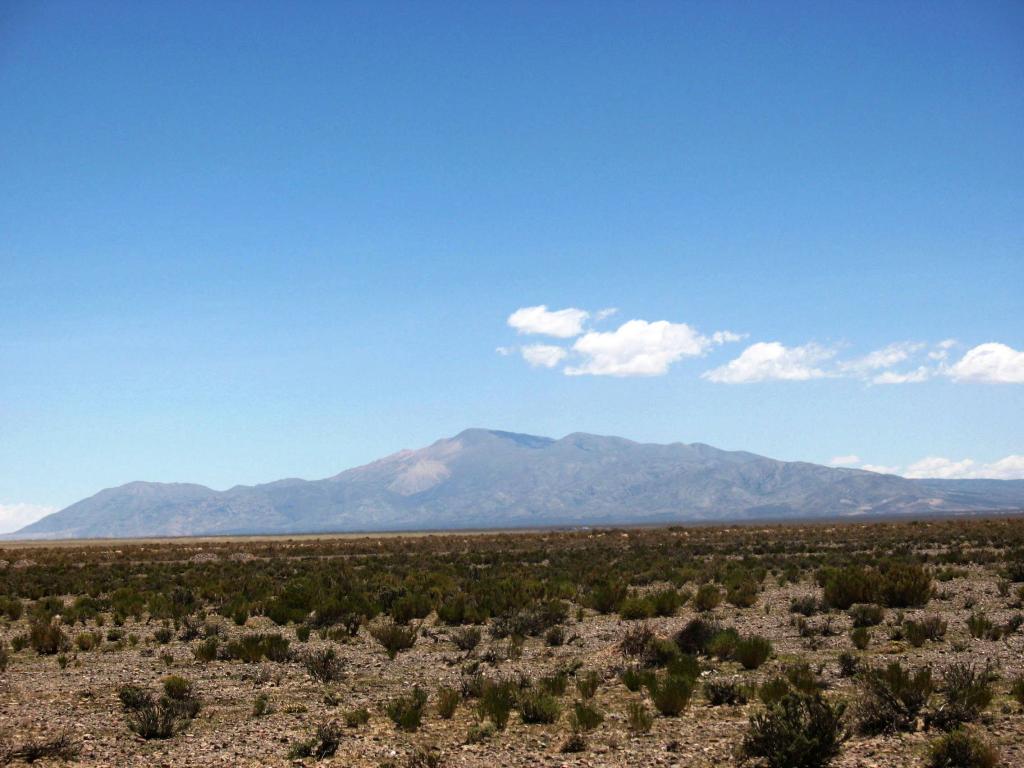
(487, 478)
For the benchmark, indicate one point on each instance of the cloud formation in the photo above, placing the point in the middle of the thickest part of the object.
(940, 468)
(767, 360)
(539, 320)
(15, 516)
(991, 362)
(636, 348)
(642, 348)
(543, 355)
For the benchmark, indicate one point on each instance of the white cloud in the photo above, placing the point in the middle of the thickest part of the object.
(919, 374)
(764, 361)
(937, 467)
(941, 350)
(886, 357)
(636, 348)
(562, 323)
(991, 362)
(15, 516)
(1008, 468)
(850, 460)
(604, 314)
(543, 355)
(504, 351)
(726, 337)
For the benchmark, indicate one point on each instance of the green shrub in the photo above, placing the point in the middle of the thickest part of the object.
(605, 596)
(638, 718)
(723, 645)
(891, 698)
(860, 637)
(555, 683)
(671, 694)
(324, 665)
(708, 597)
(394, 637)
(634, 608)
(696, 636)
(588, 683)
(256, 647)
(850, 585)
(206, 650)
(960, 749)
(497, 698)
(406, 712)
(866, 614)
(807, 605)
(324, 743)
(61, 747)
(849, 664)
(803, 678)
(753, 651)
(302, 633)
(466, 638)
(357, 717)
(742, 594)
(1017, 690)
(585, 717)
(724, 692)
(772, 691)
(966, 692)
(666, 602)
(447, 702)
(798, 732)
(47, 639)
(261, 705)
(928, 628)
(538, 707)
(163, 635)
(159, 720)
(980, 626)
(906, 586)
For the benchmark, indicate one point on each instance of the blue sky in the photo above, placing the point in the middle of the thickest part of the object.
(245, 241)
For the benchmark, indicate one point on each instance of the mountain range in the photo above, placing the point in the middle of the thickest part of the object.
(491, 479)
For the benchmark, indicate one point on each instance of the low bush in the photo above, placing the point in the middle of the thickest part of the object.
(798, 732)
(324, 665)
(587, 683)
(847, 586)
(696, 636)
(497, 698)
(47, 638)
(906, 586)
(638, 718)
(466, 638)
(923, 630)
(406, 712)
(585, 717)
(357, 717)
(724, 692)
(394, 637)
(966, 693)
(253, 648)
(538, 707)
(866, 614)
(447, 702)
(62, 747)
(860, 637)
(891, 698)
(708, 597)
(961, 749)
(324, 743)
(671, 694)
(751, 652)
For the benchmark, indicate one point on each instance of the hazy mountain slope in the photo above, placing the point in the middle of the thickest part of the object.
(484, 478)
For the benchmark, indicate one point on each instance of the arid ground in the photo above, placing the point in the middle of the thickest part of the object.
(585, 648)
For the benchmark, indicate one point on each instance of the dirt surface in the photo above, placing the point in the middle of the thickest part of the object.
(39, 699)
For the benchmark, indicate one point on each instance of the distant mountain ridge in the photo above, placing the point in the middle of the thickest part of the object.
(491, 479)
